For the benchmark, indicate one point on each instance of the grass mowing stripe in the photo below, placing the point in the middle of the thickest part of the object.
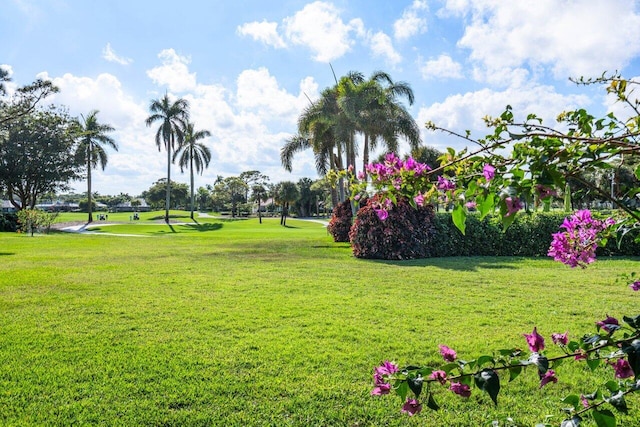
(253, 324)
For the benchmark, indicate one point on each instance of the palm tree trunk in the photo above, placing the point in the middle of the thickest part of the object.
(168, 201)
(89, 189)
(365, 153)
(192, 194)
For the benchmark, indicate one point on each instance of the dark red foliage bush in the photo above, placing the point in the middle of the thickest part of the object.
(405, 234)
(340, 222)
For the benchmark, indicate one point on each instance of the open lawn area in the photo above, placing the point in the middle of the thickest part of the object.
(236, 323)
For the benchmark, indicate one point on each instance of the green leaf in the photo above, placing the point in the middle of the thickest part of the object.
(402, 390)
(593, 363)
(431, 403)
(485, 359)
(618, 402)
(459, 216)
(485, 205)
(634, 322)
(638, 172)
(415, 385)
(612, 386)
(514, 371)
(604, 418)
(489, 381)
(573, 400)
(633, 356)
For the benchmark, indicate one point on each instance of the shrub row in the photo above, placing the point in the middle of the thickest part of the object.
(529, 235)
(408, 234)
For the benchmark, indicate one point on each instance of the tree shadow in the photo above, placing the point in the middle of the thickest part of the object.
(204, 227)
(7, 253)
(457, 263)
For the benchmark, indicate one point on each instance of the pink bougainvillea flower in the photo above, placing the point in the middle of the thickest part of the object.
(580, 355)
(440, 376)
(544, 192)
(635, 285)
(609, 324)
(361, 175)
(460, 389)
(411, 407)
(489, 172)
(382, 214)
(513, 205)
(471, 205)
(622, 369)
(447, 353)
(382, 387)
(350, 168)
(419, 199)
(548, 377)
(560, 339)
(444, 184)
(576, 246)
(387, 368)
(535, 341)
(410, 164)
(584, 401)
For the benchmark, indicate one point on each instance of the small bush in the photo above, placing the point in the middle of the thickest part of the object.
(405, 234)
(340, 222)
(8, 222)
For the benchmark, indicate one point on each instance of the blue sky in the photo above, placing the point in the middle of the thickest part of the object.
(248, 67)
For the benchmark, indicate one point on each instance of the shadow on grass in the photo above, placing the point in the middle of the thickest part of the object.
(204, 227)
(7, 253)
(457, 263)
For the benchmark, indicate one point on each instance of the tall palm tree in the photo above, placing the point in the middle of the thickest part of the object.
(193, 154)
(173, 118)
(286, 193)
(374, 107)
(91, 150)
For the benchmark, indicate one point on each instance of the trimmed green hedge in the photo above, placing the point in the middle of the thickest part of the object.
(529, 235)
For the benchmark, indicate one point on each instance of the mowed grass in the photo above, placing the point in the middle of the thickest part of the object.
(239, 323)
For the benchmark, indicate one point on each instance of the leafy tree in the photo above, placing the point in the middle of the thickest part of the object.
(322, 188)
(93, 138)
(37, 155)
(286, 193)
(193, 154)
(203, 197)
(253, 177)
(231, 191)
(156, 193)
(25, 100)
(4, 77)
(173, 118)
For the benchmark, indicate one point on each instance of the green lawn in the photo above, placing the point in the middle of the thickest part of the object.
(239, 323)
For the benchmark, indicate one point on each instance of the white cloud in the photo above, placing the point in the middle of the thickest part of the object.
(463, 112)
(137, 163)
(174, 72)
(265, 32)
(568, 38)
(411, 23)
(110, 55)
(443, 67)
(319, 27)
(381, 45)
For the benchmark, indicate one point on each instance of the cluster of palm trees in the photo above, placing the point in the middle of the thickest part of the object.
(176, 134)
(180, 140)
(354, 106)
